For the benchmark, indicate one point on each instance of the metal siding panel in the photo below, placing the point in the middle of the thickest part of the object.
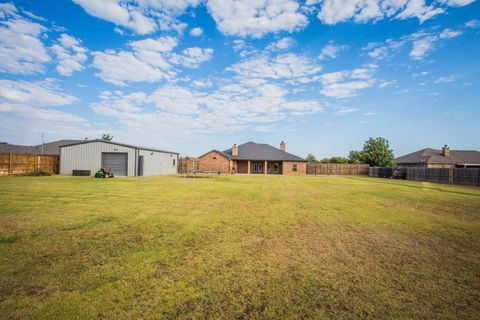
(89, 157)
(158, 163)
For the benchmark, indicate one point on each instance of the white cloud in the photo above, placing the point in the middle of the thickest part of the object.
(118, 13)
(472, 24)
(161, 44)
(421, 47)
(151, 60)
(44, 93)
(256, 18)
(192, 57)
(21, 48)
(243, 48)
(449, 33)
(202, 84)
(360, 11)
(422, 44)
(174, 99)
(49, 115)
(196, 32)
(231, 107)
(445, 79)
(264, 128)
(344, 84)
(122, 67)
(418, 9)
(282, 44)
(384, 50)
(425, 43)
(335, 11)
(457, 3)
(32, 99)
(291, 67)
(70, 55)
(331, 50)
(143, 17)
(344, 110)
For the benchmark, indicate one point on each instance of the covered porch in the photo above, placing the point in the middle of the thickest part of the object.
(259, 167)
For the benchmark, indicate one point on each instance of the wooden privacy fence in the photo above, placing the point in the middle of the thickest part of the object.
(465, 176)
(187, 165)
(337, 169)
(11, 164)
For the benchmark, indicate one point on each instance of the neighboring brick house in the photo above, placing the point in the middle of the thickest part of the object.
(445, 158)
(253, 158)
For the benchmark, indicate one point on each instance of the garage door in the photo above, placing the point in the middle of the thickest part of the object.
(116, 163)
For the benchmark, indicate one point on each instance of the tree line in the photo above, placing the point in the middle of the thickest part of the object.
(376, 152)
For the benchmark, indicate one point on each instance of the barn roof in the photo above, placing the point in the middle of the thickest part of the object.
(118, 144)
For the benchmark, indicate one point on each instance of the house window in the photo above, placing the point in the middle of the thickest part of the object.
(294, 167)
(173, 161)
(275, 167)
(214, 158)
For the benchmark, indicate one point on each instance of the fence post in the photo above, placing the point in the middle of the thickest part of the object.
(10, 159)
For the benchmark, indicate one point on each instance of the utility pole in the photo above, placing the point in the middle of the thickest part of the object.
(42, 144)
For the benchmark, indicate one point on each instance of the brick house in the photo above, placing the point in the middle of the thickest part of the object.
(253, 158)
(444, 158)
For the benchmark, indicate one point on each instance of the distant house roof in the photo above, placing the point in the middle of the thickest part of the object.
(261, 152)
(118, 144)
(50, 148)
(428, 155)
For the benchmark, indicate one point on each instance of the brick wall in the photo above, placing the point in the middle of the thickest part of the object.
(214, 161)
(301, 168)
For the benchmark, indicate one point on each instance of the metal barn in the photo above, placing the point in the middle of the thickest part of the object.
(87, 157)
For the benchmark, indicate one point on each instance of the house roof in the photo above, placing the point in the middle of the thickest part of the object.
(118, 144)
(260, 152)
(50, 148)
(430, 155)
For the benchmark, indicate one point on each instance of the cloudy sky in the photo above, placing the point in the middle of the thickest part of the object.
(192, 75)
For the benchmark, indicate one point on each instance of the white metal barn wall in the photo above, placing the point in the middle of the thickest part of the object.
(88, 156)
(156, 163)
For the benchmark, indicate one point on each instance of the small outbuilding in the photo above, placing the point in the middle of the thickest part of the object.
(88, 156)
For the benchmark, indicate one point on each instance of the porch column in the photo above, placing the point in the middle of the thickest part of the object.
(248, 167)
(265, 171)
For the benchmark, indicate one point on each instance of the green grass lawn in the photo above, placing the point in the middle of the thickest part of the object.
(238, 247)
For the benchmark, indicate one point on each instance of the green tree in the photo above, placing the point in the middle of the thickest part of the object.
(339, 160)
(377, 153)
(311, 158)
(356, 157)
(107, 137)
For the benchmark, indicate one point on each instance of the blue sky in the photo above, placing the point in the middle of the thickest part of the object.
(191, 75)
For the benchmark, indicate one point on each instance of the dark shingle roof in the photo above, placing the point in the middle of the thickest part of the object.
(50, 148)
(260, 151)
(435, 156)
